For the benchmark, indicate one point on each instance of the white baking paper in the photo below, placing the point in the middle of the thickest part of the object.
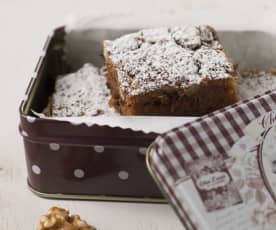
(147, 124)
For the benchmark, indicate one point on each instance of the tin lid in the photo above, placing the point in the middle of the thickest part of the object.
(219, 172)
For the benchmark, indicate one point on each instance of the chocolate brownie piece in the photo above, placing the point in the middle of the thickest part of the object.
(169, 71)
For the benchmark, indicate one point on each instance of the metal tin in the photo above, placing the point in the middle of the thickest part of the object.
(208, 183)
(251, 49)
(184, 219)
(98, 162)
(80, 162)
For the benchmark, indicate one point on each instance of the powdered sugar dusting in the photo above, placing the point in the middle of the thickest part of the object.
(213, 63)
(83, 93)
(256, 82)
(176, 57)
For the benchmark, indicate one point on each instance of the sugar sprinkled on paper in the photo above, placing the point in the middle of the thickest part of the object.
(83, 93)
(256, 82)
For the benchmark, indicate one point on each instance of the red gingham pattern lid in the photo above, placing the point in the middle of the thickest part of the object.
(212, 134)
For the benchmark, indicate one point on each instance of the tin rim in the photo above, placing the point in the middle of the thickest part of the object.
(184, 220)
(96, 197)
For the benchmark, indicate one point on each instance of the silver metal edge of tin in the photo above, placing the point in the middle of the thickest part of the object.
(184, 221)
(33, 83)
(96, 197)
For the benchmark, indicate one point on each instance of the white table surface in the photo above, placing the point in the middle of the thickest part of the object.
(24, 26)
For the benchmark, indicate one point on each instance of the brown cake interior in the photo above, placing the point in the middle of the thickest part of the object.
(193, 101)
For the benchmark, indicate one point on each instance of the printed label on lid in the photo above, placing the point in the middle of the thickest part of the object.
(238, 192)
(213, 183)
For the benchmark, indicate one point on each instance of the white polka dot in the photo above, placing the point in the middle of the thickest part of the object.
(36, 170)
(24, 133)
(79, 173)
(99, 148)
(143, 150)
(123, 175)
(54, 146)
(30, 119)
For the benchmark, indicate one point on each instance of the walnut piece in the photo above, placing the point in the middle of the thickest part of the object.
(59, 219)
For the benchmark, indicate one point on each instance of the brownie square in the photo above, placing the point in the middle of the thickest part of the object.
(169, 71)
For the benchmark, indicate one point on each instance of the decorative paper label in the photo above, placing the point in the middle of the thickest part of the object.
(238, 192)
(263, 130)
(213, 183)
(256, 127)
(266, 152)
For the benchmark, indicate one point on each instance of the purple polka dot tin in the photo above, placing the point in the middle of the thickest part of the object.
(69, 161)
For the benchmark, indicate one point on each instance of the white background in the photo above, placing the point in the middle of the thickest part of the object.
(24, 26)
